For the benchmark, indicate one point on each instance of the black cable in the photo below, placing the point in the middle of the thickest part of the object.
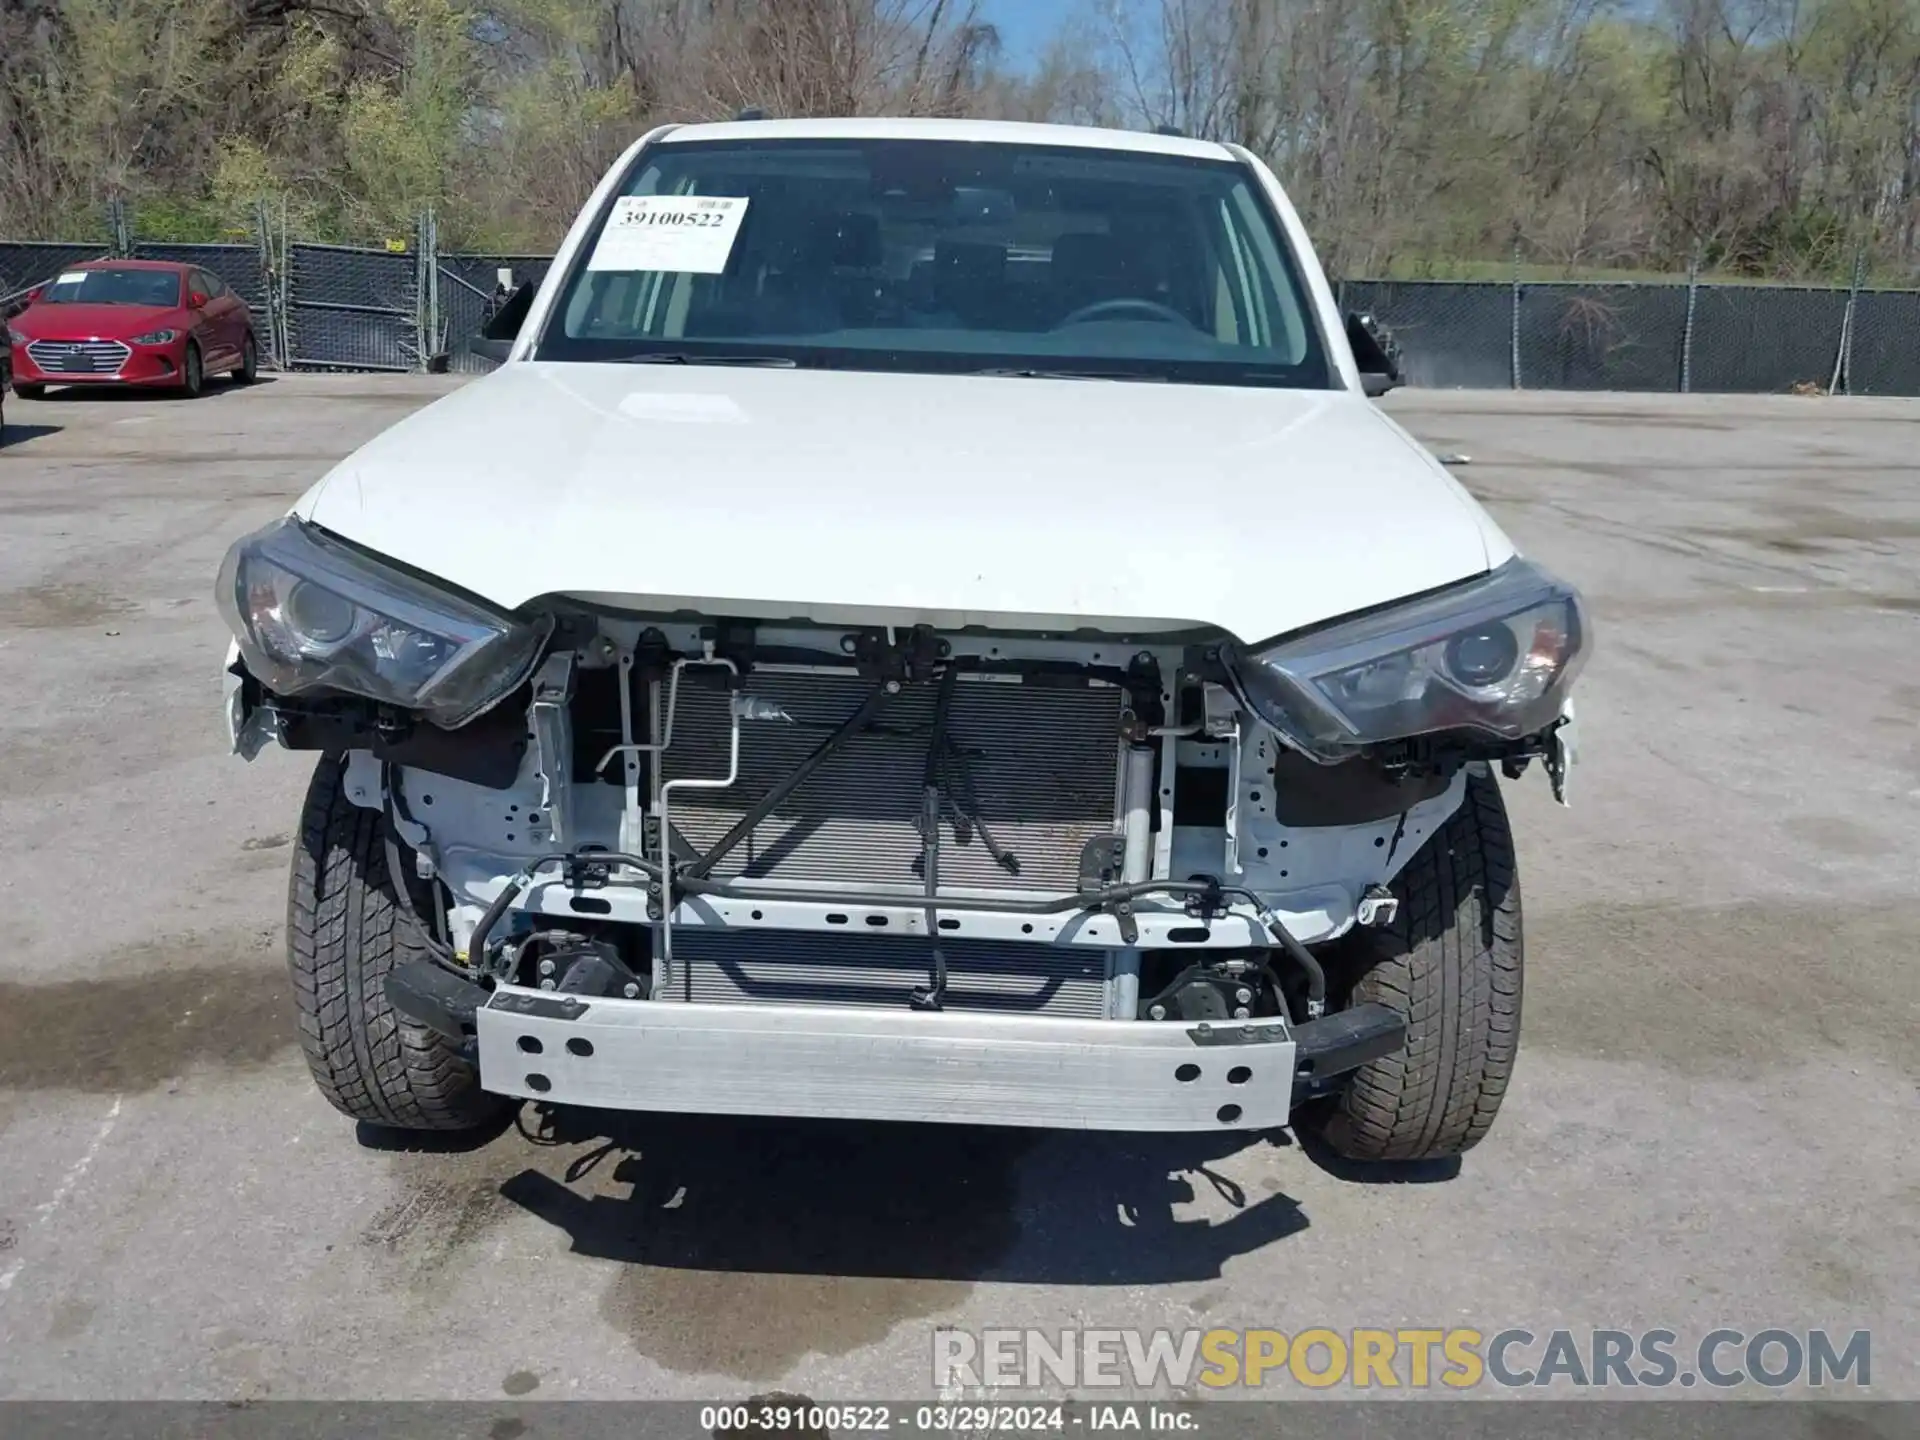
(437, 951)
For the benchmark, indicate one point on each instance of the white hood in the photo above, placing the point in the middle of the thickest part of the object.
(895, 498)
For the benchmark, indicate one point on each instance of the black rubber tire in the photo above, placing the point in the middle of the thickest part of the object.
(249, 367)
(344, 934)
(1451, 963)
(29, 390)
(193, 374)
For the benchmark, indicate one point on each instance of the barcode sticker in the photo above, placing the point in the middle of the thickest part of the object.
(693, 234)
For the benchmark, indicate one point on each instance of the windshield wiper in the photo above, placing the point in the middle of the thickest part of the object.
(675, 357)
(1024, 373)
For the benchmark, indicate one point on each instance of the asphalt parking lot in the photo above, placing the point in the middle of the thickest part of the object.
(1713, 1121)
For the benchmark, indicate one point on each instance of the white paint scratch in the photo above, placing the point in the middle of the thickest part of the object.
(77, 1171)
(62, 1192)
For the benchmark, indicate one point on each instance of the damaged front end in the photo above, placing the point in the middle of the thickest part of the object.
(985, 875)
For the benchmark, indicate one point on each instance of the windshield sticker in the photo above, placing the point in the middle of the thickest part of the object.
(693, 234)
(72, 277)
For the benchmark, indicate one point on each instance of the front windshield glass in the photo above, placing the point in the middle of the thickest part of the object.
(941, 256)
(114, 287)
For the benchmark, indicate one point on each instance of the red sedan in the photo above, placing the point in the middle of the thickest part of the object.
(131, 322)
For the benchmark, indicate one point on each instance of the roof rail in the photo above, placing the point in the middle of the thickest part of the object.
(1170, 130)
(752, 112)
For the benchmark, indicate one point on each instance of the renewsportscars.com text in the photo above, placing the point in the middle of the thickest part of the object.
(1454, 1358)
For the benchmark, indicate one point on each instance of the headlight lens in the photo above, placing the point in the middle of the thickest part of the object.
(1498, 655)
(16, 337)
(312, 614)
(155, 337)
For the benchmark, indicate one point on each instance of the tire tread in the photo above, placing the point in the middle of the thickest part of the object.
(344, 934)
(1452, 964)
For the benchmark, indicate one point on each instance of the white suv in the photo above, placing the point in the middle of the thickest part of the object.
(925, 624)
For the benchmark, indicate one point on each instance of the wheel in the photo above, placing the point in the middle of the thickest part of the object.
(344, 933)
(249, 366)
(1451, 965)
(193, 378)
(29, 390)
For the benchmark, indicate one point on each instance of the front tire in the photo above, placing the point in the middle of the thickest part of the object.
(249, 367)
(344, 934)
(1451, 965)
(193, 375)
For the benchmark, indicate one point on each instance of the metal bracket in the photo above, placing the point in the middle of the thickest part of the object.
(1378, 906)
(1101, 861)
(1255, 1034)
(553, 740)
(546, 1007)
(1563, 749)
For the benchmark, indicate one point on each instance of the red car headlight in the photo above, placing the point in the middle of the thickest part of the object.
(156, 337)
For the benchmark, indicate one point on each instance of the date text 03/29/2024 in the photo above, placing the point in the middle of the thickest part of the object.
(807, 1418)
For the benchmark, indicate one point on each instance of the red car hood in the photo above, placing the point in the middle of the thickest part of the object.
(93, 322)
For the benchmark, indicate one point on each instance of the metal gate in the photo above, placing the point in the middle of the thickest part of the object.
(352, 309)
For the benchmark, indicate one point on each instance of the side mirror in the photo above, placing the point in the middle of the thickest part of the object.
(496, 337)
(197, 300)
(1374, 352)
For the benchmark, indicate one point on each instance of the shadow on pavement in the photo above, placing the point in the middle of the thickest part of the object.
(14, 434)
(914, 1202)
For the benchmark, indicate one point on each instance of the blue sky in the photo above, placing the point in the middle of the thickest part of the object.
(1025, 25)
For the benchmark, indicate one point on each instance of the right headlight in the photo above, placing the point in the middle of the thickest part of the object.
(1497, 655)
(310, 613)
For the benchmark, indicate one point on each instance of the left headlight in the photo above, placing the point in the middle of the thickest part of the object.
(312, 614)
(16, 337)
(1497, 654)
(155, 337)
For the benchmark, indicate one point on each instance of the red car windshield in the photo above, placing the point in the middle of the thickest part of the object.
(114, 287)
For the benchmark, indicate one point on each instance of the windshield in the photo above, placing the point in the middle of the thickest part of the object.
(941, 256)
(114, 287)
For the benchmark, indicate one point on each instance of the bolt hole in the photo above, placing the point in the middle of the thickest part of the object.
(1239, 1075)
(1283, 874)
(1187, 1074)
(878, 922)
(426, 799)
(1256, 797)
(582, 1048)
(509, 835)
(1026, 929)
(1379, 841)
(836, 919)
(539, 1084)
(533, 818)
(1263, 852)
(1228, 1114)
(530, 1045)
(756, 914)
(949, 924)
(1283, 844)
(513, 809)
(590, 905)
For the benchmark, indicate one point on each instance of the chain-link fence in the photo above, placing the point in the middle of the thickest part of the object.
(341, 307)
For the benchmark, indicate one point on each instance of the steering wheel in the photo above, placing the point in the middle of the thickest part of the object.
(1123, 308)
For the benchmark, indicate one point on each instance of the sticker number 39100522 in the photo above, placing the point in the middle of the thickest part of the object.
(689, 233)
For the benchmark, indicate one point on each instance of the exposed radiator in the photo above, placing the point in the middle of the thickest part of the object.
(1041, 761)
(811, 967)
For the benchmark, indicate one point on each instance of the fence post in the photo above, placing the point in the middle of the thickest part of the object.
(1513, 357)
(273, 260)
(119, 233)
(427, 288)
(1686, 335)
